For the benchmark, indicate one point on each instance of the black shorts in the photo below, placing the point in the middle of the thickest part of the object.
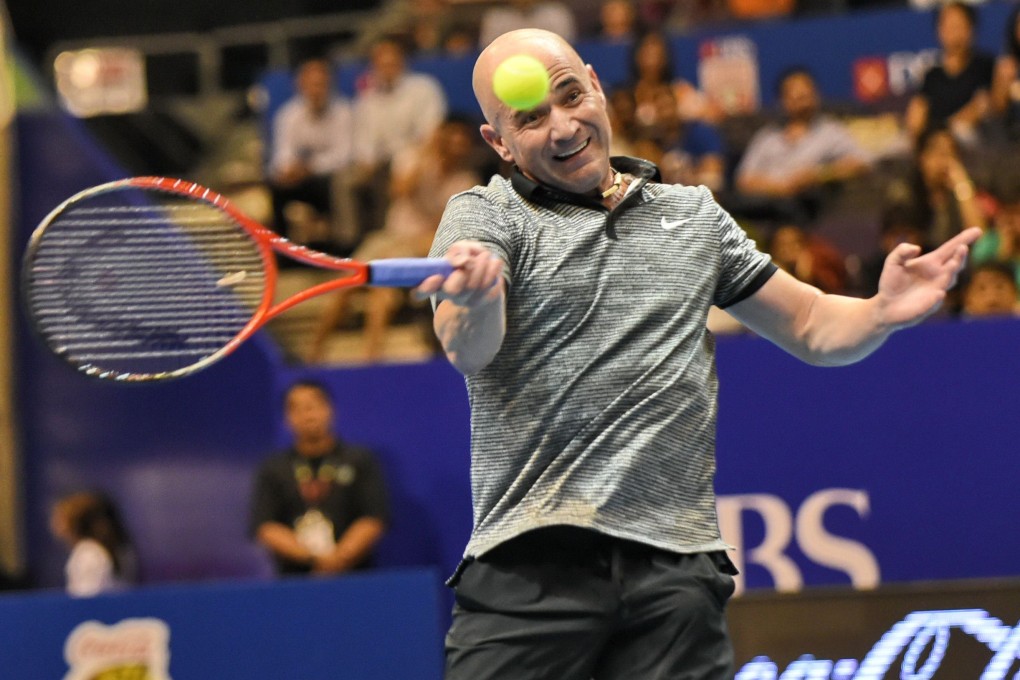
(570, 604)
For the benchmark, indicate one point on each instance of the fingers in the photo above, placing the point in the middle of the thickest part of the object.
(473, 280)
(951, 255)
(476, 274)
(965, 238)
(429, 286)
(904, 252)
(956, 263)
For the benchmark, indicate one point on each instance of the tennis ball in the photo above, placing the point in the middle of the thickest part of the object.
(521, 82)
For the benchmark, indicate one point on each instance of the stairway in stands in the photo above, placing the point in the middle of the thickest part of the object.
(407, 340)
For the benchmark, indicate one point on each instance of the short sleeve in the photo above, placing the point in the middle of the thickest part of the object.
(471, 216)
(743, 269)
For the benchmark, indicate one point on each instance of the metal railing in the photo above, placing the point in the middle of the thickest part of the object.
(279, 39)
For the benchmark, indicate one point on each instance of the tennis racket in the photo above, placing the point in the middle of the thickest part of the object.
(150, 278)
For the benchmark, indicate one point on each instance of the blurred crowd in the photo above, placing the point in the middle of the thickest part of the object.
(368, 176)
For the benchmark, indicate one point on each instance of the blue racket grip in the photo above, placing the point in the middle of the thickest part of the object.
(406, 272)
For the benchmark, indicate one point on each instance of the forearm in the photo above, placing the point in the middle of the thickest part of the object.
(972, 112)
(471, 335)
(282, 541)
(970, 210)
(839, 330)
(844, 169)
(1005, 74)
(356, 543)
(820, 329)
(832, 330)
(761, 185)
(916, 117)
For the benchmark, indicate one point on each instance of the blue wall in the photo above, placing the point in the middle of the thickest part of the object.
(366, 627)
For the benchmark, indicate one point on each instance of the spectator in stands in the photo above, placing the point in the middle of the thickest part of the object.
(787, 165)
(652, 70)
(312, 142)
(685, 16)
(550, 15)
(461, 39)
(1006, 82)
(691, 151)
(1001, 243)
(809, 258)
(102, 557)
(394, 109)
(900, 224)
(320, 505)
(423, 180)
(989, 289)
(621, 108)
(955, 92)
(427, 26)
(617, 21)
(939, 188)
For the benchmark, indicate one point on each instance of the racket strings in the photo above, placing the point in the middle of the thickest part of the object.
(139, 283)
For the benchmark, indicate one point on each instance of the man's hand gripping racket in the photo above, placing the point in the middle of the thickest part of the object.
(152, 278)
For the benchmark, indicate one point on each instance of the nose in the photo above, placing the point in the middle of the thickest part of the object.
(562, 125)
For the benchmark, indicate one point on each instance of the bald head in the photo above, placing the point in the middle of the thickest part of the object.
(547, 47)
(563, 141)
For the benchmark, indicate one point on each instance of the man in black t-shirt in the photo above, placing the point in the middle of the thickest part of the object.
(320, 505)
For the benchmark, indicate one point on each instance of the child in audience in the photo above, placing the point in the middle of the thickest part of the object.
(102, 557)
(990, 289)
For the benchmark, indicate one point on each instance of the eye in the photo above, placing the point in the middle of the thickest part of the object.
(529, 118)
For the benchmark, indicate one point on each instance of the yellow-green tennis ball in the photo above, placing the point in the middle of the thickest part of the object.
(521, 82)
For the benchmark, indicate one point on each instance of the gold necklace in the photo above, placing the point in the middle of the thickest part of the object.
(617, 182)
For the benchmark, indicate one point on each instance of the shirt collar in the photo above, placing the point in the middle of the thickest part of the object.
(532, 190)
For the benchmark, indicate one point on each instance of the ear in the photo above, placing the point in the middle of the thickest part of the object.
(495, 140)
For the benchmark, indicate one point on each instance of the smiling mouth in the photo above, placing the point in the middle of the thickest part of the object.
(573, 152)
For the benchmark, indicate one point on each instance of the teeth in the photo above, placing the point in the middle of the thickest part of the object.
(578, 149)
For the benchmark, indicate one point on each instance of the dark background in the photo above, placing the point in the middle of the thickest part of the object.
(40, 23)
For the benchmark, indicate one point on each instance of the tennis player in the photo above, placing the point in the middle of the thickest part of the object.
(577, 312)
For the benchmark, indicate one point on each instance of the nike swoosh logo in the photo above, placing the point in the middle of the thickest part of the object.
(669, 226)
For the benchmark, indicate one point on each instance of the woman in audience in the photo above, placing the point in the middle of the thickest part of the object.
(652, 70)
(687, 152)
(955, 92)
(810, 258)
(939, 188)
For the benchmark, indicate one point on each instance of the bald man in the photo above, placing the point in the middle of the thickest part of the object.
(577, 314)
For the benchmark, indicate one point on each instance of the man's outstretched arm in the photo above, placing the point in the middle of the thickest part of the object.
(833, 330)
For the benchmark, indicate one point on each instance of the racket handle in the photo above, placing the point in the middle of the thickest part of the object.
(405, 272)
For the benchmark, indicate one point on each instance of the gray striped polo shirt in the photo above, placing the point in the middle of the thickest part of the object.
(599, 409)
